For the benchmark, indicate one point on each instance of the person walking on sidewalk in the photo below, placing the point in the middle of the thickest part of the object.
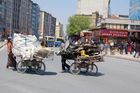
(121, 48)
(101, 47)
(137, 50)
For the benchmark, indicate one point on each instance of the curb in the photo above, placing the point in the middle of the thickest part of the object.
(130, 59)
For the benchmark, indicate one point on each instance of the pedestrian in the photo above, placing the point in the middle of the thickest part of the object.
(137, 49)
(101, 47)
(63, 59)
(112, 48)
(106, 48)
(9, 45)
(121, 48)
(11, 58)
(126, 47)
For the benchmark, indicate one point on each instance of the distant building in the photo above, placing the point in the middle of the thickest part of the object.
(6, 10)
(87, 7)
(47, 24)
(59, 30)
(134, 11)
(8, 16)
(52, 26)
(25, 25)
(35, 19)
(2, 15)
(16, 15)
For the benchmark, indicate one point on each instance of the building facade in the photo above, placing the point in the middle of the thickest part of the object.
(2, 15)
(116, 30)
(25, 15)
(52, 26)
(16, 15)
(8, 16)
(35, 19)
(6, 9)
(134, 11)
(47, 24)
(59, 30)
(87, 7)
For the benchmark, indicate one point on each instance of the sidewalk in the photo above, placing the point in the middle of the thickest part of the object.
(124, 56)
(2, 43)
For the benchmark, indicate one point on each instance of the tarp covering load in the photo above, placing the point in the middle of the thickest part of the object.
(27, 46)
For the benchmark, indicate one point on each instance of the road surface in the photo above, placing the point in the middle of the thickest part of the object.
(115, 76)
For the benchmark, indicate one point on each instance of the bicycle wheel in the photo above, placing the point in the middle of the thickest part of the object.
(83, 67)
(21, 67)
(74, 68)
(93, 69)
(40, 68)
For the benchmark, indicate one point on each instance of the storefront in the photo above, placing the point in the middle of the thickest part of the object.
(113, 35)
(110, 35)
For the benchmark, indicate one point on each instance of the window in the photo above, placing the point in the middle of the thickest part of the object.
(0, 1)
(125, 26)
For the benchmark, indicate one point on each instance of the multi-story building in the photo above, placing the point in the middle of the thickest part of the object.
(52, 26)
(59, 30)
(47, 24)
(116, 29)
(25, 13)
(35, 19)
(16, 15)
(6, 9)
(8, 16)
(87, 7)
(2, 14)
(2, 24)
(134, 11)
(42, 23)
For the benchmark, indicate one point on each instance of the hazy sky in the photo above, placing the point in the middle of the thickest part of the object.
(62, 9)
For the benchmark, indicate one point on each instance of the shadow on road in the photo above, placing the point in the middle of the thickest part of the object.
(50, 73)
(45, 73)
(92, 74)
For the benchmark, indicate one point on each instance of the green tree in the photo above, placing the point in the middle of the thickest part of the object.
(77, 23)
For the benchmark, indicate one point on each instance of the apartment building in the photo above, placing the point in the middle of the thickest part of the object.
(47, 24)
(87, 7)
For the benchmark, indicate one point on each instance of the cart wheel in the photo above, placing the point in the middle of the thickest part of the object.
(93, 69)
(40, 68)
(74, 68)
(83, 67)
(21, 67)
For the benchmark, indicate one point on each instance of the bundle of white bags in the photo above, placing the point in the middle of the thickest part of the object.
(28, 45)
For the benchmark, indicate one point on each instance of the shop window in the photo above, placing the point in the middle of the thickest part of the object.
(118, 26)
(114, 26)
(0, 1)
(138, 27)
(125, 26)
(107, 25)
(111, 26)
(122, 27)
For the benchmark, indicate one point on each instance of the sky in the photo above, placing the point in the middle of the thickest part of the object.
(62, 9)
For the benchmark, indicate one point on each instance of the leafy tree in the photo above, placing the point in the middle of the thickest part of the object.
(77, 23)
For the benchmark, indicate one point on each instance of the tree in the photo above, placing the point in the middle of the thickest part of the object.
(77, 23)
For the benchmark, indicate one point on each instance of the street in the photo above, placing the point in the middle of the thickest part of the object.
(115, 76)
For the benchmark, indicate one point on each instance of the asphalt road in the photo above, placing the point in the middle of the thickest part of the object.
(115, 76)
